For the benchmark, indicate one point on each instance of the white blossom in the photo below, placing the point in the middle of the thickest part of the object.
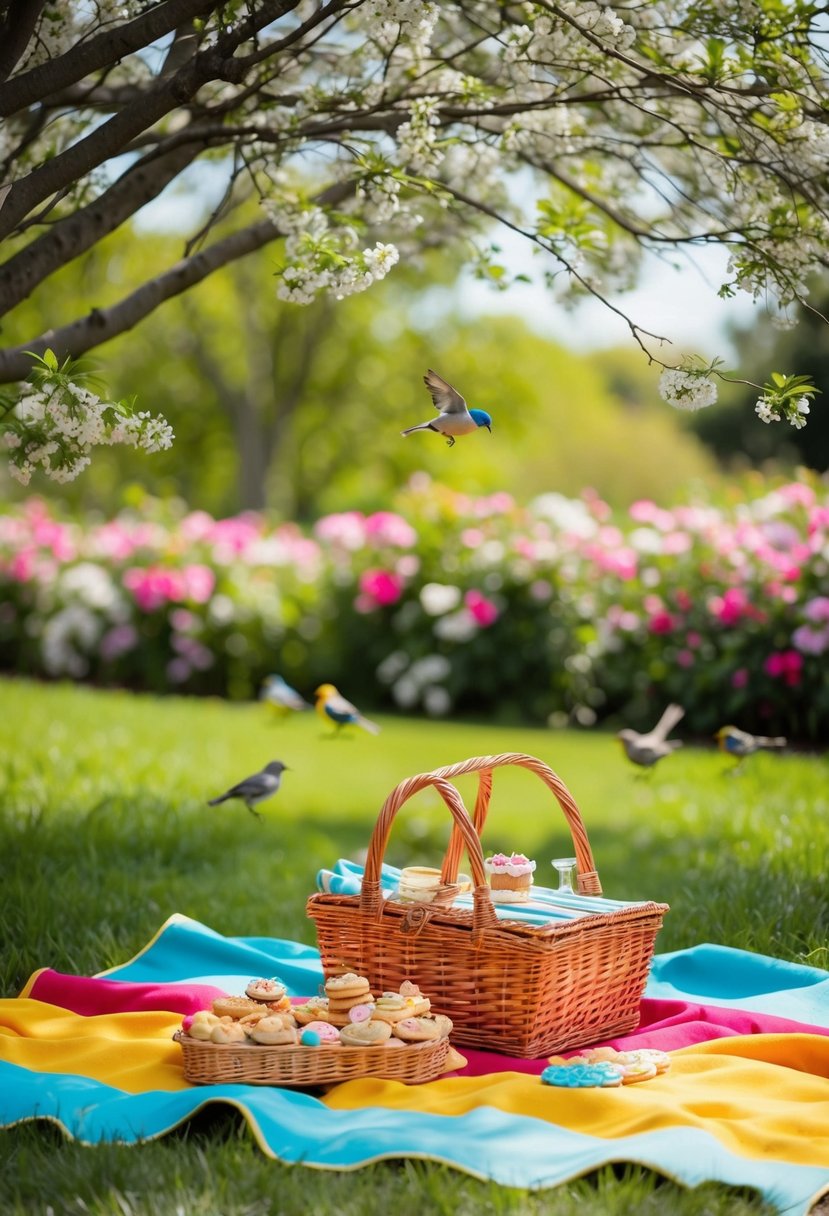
(686, 390)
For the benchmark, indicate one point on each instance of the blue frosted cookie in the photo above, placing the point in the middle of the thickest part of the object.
(578, 1075)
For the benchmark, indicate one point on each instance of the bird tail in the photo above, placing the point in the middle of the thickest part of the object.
(371, 727)
(216, 801)
(421, 426)
(767, 741)
(668, 721)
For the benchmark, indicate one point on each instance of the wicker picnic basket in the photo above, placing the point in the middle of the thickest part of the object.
(517, 988)
(308, 1067)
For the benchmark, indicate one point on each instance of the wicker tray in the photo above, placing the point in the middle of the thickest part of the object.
(308, 1067)
(508, 986)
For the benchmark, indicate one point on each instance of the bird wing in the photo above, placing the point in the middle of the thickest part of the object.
(341, 710)
(445, 398)
(667, 722)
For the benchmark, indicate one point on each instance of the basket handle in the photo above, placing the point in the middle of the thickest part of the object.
(587, 877)
(483, 911)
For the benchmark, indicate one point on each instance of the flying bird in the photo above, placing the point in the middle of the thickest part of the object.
(646, 749)
(739, 743)
(332, 707)
(453, 416)
(283, 699)
(256, 788)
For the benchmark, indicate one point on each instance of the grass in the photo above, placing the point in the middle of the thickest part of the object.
(105, 831)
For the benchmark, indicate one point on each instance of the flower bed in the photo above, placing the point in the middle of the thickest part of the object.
(553, 612)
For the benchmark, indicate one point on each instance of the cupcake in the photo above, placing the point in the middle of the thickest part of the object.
(510, 877)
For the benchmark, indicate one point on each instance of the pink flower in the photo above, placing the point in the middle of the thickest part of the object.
(117, 641)
(786, 665)
(386, 528)
(199, 582)
(685, 658)
(483, 610)
(154, 586)
(739, 678)
(380, 588)
(347, 529)
(817, 610)
(662, 622)
(811, 641)
(730, 607)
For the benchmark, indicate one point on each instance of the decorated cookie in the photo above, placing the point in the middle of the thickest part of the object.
(313, 1010)
(236, 1006)
(416, 1030)
(265, 990)
(576, 1075)
(327, 1033)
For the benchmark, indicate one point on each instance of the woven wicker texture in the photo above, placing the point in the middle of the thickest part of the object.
(521, 989)
(308, 1067)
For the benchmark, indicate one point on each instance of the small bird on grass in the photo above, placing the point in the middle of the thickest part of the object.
(646, 749)
(283, 699)
(332, 707)
(453, 416)
(256, 788)
(739, 743)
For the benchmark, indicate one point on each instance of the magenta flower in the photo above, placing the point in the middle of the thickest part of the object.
(483, 610)
(785, 665)
(685, 658)
(739, 678)
(662, 622)
(380, 588)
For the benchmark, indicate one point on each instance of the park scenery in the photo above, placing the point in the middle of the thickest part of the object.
(414, 608)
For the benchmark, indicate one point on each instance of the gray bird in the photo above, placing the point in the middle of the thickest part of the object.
(646, 749)
(256, 788)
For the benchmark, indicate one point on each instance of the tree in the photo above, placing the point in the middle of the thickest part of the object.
(370, 128)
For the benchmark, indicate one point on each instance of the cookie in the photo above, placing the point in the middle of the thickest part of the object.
(327, 1033)
(228, 1032)
(342, 987)
(575, 1075)
(365, 1034)
(313, 1010)
(416, 1030)
(271, 1032)
(265, 990)
(235, 1006)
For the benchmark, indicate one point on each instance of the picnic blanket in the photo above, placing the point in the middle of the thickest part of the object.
(745, 1102)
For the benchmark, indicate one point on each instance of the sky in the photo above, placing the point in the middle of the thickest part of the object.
(680, 304)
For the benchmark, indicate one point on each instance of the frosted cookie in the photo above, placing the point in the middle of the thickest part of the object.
(575, 1075)
(327, 1033)
(346, 987)
(236, 1006)
(416, 1030)
(265, 990)
(313, 1010)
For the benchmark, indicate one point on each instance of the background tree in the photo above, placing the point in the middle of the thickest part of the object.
(366, 128)
(261, 422)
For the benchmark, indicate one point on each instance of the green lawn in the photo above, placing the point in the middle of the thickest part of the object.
(105, 831)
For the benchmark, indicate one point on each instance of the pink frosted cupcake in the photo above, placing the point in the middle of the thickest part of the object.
(510, 877)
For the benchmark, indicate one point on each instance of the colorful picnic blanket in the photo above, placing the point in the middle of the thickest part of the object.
(745, 1102)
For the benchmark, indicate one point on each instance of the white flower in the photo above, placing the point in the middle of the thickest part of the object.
(797, 413)
(686, 390)
(437, 598)
(766, 410)
(456, 627)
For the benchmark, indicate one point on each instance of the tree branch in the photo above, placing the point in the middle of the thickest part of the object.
(110, 138)
(100, 325)
(15, 32)
(98, 52)
(72, 236)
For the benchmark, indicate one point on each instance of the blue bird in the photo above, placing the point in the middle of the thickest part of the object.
(739, 743)
(281, 697)
(453, 416)
(333, 707)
